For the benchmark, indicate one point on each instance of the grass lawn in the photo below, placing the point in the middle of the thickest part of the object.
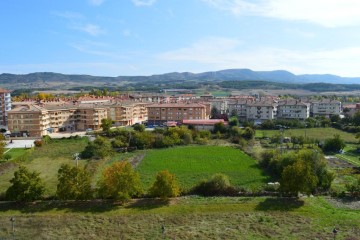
(46, 160)
(16, 152)
(315, 133)
(195, 163)
(350, 155)
(183, 218)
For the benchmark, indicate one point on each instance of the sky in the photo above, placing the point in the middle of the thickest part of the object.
(145, 37)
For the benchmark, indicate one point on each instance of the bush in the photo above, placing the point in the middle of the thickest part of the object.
(165, 185)
(139, 127)
(6, 157)
(46, 139)
(120, 181)
(217, 185)
(38, 143)
(354, 188)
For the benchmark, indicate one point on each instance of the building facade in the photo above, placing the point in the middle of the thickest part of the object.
(261, 111)
(325, 107)
(161, 113)
(293, 109)
(5, 106)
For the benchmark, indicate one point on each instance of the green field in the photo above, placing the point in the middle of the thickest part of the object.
(314, 133)
(195, 163)
(183, 218)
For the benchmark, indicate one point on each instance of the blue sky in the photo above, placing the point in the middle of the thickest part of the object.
(144, 37)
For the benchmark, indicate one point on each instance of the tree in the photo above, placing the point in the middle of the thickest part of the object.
(219, 127)
(99, 148)
(298, 177)
(165, 185)
(214, 112)
(142, 140)
(120, 181)
(26, 186)
(233, 121)
(106, 124)
(334, 144)
(74, 183)
(139, 127)
(248, 133)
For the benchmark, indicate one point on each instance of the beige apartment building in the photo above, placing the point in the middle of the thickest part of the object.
(293, 109)
(325, 107)
(160, 113)
(261, 111)
(125, 114)
(29, 119)
(41, 120)
(239, 107)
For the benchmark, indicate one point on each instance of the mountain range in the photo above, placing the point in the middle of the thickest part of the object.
(280, 76)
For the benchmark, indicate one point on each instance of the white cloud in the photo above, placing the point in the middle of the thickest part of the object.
(327, 13)
(96, 2)
(92, 29)
(140, 3)
(222, 53)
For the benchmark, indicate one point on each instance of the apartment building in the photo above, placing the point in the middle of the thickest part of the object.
(325, 107)
(127, 113)
(160, 113)
(71, 116)
(261, 111)
(32, 120)
(5, 106)
(293, 109)
(221, 104)
(238, 107)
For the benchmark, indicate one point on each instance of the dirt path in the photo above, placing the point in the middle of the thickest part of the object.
(134, 161)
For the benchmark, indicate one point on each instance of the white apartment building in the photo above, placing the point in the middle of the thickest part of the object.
(293, 109)
(5, 106)
(220, 104)
(325, 107)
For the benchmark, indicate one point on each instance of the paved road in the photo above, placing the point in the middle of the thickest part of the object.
(20, 144)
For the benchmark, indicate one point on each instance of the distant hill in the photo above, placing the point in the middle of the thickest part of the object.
(53, 80)
(222, 75)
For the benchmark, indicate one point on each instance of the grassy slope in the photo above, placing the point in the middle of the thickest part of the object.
(195, 163)
(315, 133)
(47, 160)
(184, 218)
